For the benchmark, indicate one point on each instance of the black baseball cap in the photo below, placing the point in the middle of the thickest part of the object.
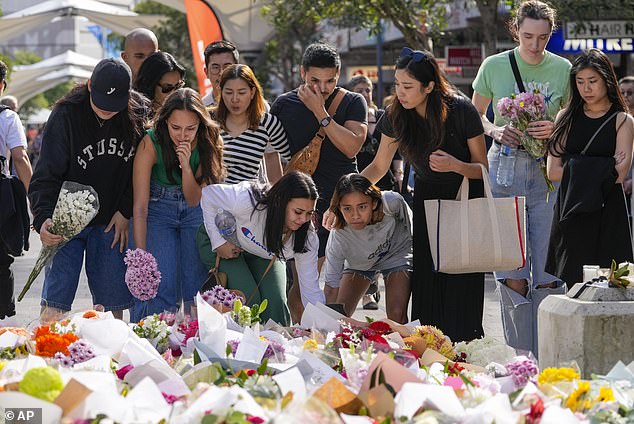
(110, 85)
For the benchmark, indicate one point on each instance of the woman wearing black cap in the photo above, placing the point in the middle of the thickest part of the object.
(90, 138)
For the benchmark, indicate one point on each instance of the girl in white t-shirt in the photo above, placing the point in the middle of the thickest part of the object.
(373, 233)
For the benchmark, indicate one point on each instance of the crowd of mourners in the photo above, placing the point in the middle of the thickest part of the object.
(166, 162)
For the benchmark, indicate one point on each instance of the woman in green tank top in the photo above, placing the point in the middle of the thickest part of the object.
(180, 154)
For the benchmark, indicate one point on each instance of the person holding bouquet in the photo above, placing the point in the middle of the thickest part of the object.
(273, 223)
(546, 74)
(180, 154)
(440, 133)
(90, 138)
(590, 152)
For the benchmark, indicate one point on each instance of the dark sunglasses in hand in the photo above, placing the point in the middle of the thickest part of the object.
(166, 88)
(416, 55)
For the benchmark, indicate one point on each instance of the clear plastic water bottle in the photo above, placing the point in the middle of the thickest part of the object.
(506, 167)
(226, 224)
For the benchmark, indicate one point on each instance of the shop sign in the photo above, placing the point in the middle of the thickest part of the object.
(464, 56)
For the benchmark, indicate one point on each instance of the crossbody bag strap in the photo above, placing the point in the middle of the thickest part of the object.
(516, 71)
(585, 149)
(266, 271)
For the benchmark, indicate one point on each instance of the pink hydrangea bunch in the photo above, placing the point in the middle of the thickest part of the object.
(142, 276)
(79, 351)
(523, 108)
(522, 370)
(218, 295)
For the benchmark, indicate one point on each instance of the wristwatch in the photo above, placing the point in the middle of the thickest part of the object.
(326, 121)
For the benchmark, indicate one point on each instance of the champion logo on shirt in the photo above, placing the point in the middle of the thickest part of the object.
(248, 234)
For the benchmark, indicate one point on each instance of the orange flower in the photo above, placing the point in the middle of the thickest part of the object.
(90, 314)
(48, 344)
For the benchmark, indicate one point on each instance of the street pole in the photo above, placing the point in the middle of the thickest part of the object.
(379, 64)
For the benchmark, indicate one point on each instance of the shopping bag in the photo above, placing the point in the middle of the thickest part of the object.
(476, 235)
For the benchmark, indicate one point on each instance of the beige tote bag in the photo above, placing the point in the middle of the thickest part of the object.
(476, 235)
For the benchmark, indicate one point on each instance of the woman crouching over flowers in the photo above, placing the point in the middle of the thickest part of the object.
(272, 223)
(372, 234)
(180, 154)
(90, 138)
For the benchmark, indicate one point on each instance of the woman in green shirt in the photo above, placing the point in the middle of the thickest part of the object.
(180, 154)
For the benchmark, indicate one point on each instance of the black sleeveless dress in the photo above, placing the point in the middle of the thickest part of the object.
(593, 238)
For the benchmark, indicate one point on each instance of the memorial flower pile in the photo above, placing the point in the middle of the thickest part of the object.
(348, 373)
(77, 205)
(520, 110)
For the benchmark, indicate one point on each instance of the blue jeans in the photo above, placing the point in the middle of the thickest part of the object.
(104, 268)
(171, 237)
(528, 182)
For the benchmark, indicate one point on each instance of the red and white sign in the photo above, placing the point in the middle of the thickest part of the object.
(464, 56)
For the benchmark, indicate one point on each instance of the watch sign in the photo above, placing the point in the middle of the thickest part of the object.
(464, 56)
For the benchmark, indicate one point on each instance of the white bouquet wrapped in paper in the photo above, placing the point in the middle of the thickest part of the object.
(77, 205)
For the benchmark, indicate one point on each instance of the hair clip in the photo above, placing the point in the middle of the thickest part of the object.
(416, 55)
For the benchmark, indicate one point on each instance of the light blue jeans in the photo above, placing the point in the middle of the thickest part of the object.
(171, 237)
(528, 182)
(519, 313)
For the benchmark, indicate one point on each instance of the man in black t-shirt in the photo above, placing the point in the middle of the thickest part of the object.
(304, 110)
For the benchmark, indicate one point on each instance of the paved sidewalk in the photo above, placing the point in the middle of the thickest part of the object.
(29, 308)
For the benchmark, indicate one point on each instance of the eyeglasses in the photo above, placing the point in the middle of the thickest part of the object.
(167, 88)
(416, 55)
(627, 93)
(214, 68)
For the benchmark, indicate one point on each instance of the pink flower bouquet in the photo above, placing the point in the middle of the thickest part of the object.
(522, 109)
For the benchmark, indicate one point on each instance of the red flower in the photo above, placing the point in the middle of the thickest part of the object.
(254, 420)
(535, 413)
(170, 399)
(121, 372)
(454, 369)
(368, 332)
(377, 339)
(380, 327)
(345, 339)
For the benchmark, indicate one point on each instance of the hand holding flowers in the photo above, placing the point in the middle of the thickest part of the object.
(526, 112)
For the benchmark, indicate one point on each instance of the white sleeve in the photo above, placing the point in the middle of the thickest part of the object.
(333, 267)
(307, 273)
(229, 197)
(394, 205)
(14, 135)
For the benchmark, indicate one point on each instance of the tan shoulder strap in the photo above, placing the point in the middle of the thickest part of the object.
(257, 286)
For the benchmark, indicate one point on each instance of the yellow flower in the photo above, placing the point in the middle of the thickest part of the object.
(521, 104)
(555, 375)
(2, 364)
(577, 400)
(310, 344)
(605, 395)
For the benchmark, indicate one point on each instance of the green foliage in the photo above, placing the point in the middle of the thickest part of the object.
(173, 35)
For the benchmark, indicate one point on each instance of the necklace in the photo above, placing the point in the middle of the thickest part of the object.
(101, 122)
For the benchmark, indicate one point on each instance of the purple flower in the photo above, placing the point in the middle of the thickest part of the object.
(233, 344)
(65, 361)
(142, 275)
(275, 350)
(522, 370)
(121, 372)
(218, 295)
(80, 351)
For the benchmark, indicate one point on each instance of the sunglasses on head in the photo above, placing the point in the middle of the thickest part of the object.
(167, 88)
(416, 55)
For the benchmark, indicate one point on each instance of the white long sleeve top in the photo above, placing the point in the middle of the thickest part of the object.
(238, 200)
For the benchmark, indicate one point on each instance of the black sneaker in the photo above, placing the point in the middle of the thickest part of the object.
(373, 304)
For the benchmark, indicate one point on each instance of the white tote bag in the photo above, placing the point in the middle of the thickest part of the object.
(476, 235)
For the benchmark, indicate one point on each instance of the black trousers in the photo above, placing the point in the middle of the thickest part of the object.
(7, 301)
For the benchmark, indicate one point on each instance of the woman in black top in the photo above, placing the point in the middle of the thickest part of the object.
(587, 230)
(90, 138)
(441, 135)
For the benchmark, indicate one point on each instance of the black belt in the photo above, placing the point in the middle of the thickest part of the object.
(520, 147)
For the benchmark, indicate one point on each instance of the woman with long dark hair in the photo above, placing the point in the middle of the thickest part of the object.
(273, 223)
(90, 138)
(180, 154)
(441, 135)
(159, 75)
(590, 153)
(247, 129)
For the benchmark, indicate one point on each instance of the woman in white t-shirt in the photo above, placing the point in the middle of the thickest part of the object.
(373, 234)
(271, 223)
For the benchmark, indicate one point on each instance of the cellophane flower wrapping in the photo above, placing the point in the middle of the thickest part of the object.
(520, 110)
(77, 205)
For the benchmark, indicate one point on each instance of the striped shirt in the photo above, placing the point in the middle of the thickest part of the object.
(243, 153)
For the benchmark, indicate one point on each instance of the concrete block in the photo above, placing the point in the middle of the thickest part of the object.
(595, 334)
